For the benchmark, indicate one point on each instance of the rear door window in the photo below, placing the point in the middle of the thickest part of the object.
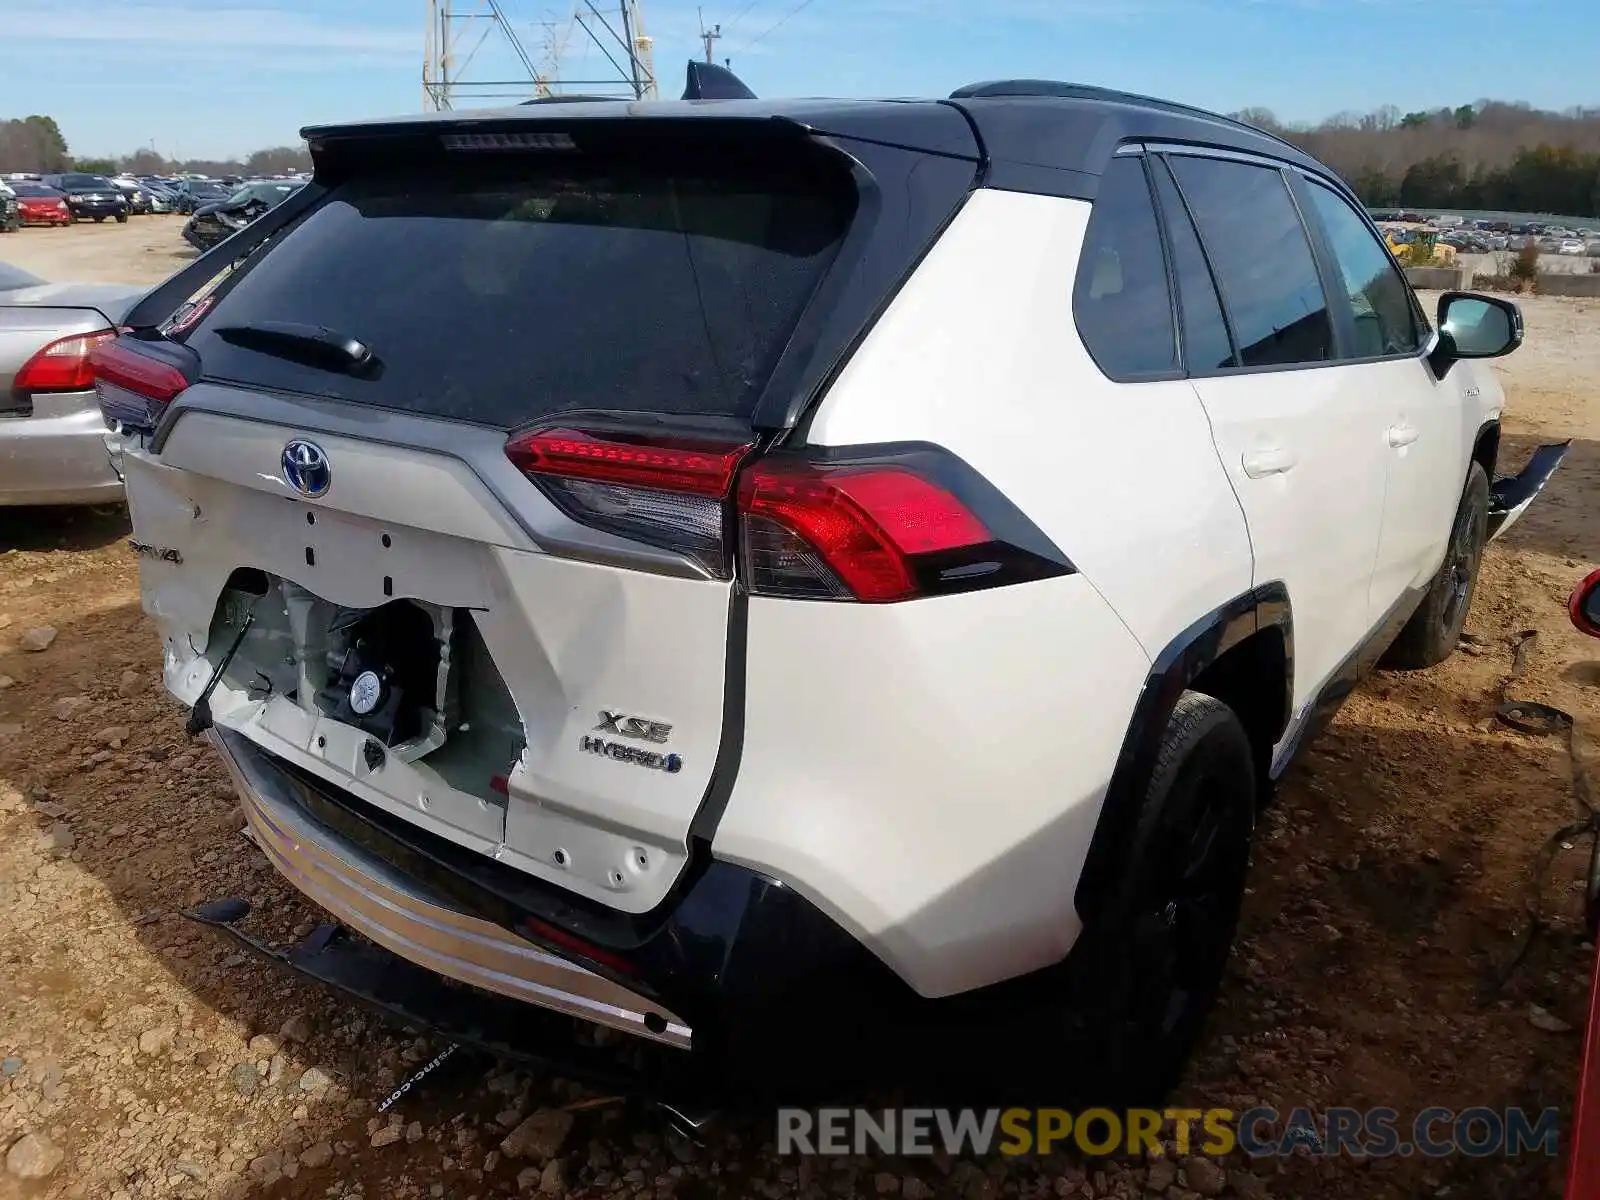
(1206, 347)
(501, 294)
(1252, 233)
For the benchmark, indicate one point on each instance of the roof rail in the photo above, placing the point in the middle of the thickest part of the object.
(573, 99)
(1083, 91)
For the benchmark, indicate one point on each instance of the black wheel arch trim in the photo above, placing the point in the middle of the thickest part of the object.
(1489, 431)
(1174, 669)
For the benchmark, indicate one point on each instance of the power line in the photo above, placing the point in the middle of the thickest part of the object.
(793, 12)
(734, 20)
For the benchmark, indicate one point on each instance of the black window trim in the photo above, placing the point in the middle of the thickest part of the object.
(1241, 367)
(1295, 177)
(1159, 162)
(1167, 149)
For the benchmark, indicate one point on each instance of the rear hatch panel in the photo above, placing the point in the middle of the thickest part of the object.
(695, 271)
(566, 641)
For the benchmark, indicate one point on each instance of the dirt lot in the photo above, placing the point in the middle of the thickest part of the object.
(1388, 887)
(145, 250)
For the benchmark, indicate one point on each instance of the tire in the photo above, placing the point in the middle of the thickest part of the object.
(1142, 981)
(1433, 631)
(122, 218)
(98, 220)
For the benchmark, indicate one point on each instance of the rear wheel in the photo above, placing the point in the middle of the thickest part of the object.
(98, 220)
(1146, 976)
(1431, 635)
(122, 218)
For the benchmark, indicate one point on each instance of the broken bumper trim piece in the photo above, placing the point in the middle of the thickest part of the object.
(420, 999)
(375, 900)
(1509, 498)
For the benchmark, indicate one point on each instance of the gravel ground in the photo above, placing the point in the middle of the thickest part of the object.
(141, 1058)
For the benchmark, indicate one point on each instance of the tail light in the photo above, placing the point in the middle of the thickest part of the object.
(836, 533)
(135, 388)
(665, 491)
(874, 524)
(63, 365)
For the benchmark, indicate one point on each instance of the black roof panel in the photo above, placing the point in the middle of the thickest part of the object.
(1057, 138)
(1036, 135)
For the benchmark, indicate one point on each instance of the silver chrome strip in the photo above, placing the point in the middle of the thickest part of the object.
(376, 901)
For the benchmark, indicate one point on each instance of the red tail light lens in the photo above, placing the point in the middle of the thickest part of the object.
(669, 492)
(134, 389)
(847, 532)
(668, 464)
(874, 524)
(63, 365)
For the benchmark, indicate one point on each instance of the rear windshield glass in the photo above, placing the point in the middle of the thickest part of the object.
(507, 295)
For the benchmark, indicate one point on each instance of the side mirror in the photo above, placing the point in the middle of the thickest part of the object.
(1474, 326)
(1585, 606)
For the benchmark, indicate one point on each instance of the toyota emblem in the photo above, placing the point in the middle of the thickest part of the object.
(306, 468)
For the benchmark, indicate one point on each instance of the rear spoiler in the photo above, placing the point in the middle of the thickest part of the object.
(163, 301)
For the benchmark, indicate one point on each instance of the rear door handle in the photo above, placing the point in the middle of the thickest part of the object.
(1270, 460)
(1403, 435)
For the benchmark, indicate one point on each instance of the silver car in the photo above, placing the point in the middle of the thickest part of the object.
(52, 436)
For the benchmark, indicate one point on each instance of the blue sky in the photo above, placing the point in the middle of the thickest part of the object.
(204, 78)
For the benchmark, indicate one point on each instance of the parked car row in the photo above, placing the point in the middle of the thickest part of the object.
(215, 209)
(89, 196)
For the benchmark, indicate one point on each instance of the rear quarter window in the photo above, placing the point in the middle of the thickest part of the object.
(1120, 299)
(502, 294)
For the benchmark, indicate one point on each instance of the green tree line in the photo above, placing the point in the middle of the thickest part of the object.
(35, 143)
(1488, 155)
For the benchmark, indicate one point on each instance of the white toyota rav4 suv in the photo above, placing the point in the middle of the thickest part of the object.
(796, 581)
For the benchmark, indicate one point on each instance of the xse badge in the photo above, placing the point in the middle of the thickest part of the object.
(632, 727)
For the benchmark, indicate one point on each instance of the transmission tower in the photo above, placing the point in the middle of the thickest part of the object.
(626, 46)
(458, 29)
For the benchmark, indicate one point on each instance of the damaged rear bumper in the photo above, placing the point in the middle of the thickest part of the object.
(421, 999)
(382, 904)
(1510, 498)
(733, 987)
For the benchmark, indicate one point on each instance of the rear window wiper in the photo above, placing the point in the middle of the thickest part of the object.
(311, 345)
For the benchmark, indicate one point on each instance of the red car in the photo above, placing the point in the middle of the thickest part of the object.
(1583, 1170)
(38, 204)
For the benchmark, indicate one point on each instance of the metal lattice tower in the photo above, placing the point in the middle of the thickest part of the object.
(458, 29)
